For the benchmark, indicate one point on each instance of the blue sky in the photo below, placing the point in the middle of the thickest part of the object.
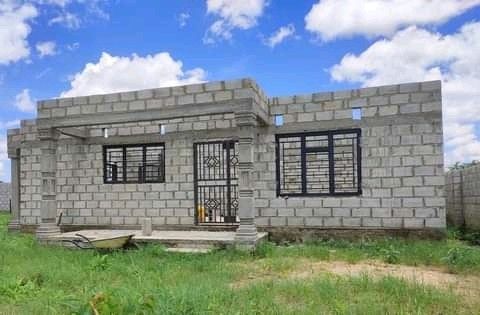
(289, 47)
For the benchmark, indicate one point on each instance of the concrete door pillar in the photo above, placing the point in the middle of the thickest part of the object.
(48, 168)
(246, 235)
(14, 224)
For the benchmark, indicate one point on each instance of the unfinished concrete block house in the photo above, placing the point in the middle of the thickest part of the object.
(223, 155)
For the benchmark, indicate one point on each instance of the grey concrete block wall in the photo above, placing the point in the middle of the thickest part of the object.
(462, 189)
(402, 159)
(402, 156)
(4, 196)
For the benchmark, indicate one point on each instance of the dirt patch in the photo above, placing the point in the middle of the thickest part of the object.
(467, 286)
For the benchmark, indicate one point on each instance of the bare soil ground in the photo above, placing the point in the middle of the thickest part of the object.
(466, 286)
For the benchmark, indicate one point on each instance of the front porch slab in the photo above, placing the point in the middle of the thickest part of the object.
(170, 239)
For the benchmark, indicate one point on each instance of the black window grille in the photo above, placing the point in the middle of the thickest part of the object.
(134, 163)
(319, 163)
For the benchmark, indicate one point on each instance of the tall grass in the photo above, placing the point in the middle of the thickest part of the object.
(50, 280)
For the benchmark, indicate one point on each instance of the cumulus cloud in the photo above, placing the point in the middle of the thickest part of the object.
(280, 35)
(14, 30)
(330, 19)
(117, 73)
(24, 102)
(232, 14)
(46, 48)
(416, 54)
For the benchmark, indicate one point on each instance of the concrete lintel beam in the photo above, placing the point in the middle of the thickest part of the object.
(172, 112)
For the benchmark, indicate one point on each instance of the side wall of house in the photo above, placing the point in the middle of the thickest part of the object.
(402, 159)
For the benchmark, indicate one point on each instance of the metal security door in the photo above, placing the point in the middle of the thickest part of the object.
(216, 182)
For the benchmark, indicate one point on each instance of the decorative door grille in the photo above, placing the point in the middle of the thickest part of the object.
(216, 182)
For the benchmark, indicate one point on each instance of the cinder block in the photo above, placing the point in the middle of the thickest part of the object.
(332, 221)
(185, 99)
(371, 222)
(304, 212)
(413, 223)
(409, 108)
(136, 105)
(388, 110)
(381, 212)
(278, 221)
(352, 222)
(402, 212)
(342, 212)
(331, 202)
(314, 221)
(325, 115)
(392, 222)
(286, 212)
(361, 212)
(425, 213)
(322, 212)
(400, 99)
(294, 221)
(412, 202)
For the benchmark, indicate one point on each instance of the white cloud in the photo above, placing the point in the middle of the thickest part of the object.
(24, 102)
(46, 48)
(416, 54)
(330, 19)
(14, 30)
(183, 19)
(241, 14)
(66, 19)
(116, 73)
(280, 35)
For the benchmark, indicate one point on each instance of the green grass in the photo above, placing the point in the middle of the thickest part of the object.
(49, 280)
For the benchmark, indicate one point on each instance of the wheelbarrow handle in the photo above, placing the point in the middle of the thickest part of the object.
(85, 238)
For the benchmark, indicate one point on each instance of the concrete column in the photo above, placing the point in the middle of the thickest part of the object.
(14, 155)
(48, 166)
(246, 235)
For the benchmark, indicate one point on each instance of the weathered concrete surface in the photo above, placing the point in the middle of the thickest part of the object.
(463, 197)
(184, 239)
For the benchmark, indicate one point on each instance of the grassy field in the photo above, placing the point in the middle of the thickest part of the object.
(297, 279)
